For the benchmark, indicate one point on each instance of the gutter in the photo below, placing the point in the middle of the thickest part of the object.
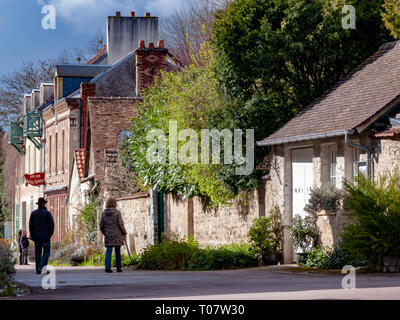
(314, 136)
(359, 146)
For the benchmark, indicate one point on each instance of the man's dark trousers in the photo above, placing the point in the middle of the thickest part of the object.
(42, 254)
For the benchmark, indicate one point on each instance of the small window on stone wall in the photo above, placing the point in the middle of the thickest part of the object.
(332, 164)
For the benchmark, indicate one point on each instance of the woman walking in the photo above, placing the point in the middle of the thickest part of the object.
(112, 226)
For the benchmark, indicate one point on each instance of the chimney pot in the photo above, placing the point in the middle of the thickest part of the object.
(151, 45)
(132, 14)
(118, 14)
(160, 44)
(141, 44)
(147, 14)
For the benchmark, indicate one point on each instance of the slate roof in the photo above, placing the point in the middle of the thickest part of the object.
(79, 70)
(353, 100)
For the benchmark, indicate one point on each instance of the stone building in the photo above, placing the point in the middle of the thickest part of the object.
(27, 140)
(352, 128)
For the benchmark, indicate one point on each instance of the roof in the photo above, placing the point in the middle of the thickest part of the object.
(357, 98)
(80, 162)
(99, 57)
(79, 70)
(113, 67)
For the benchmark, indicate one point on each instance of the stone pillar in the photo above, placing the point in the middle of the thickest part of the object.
(287, 207)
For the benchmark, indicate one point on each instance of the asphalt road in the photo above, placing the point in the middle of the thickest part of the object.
(264, 283)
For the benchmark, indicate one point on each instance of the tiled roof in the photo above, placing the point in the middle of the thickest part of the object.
(80, 162)
(80, 70)
(98, 57)
(353, 100)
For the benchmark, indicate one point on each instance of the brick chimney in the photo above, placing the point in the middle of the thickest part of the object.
(124, 33)
(149, 61)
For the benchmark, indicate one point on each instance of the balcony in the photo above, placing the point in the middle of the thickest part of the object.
(33, 128)
(16, 138)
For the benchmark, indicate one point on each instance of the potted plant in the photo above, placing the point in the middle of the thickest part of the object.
(265, 236)
(304, 234)
(324, 200)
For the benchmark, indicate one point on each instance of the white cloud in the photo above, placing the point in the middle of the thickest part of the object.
(89, 15)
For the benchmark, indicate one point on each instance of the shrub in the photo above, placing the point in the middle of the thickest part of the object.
(374, 212)
(89, 218)
(327, 197)
(7, 263)
(187, 255)
(304, 232)
(266, 233)
(326, 258)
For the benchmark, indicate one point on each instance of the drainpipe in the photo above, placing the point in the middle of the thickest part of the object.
(359, 146)
(79, 123)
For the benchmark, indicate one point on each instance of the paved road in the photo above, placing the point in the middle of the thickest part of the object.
(252, 284)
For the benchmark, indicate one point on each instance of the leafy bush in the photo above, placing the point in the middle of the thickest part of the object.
(304, 232)
(374, 212)
(266, 233)
(7, 263)
(326, 258)
(89, 218)
(327, 197)
(187, 255)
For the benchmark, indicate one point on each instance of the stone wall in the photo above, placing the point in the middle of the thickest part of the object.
(135, 213)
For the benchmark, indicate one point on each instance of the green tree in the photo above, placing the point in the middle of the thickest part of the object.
(292, 49)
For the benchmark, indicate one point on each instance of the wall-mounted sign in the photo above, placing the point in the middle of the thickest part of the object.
(36, 179)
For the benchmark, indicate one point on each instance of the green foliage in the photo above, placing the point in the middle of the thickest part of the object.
(266, 233)
(304, 232)
(7, 263)
(292, 50)
(391, 17)
(187, 255)
(89, 218)
(327, 197)
(326, 258)
(374, 212)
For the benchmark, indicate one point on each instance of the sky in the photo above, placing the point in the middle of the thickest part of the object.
(22, 37)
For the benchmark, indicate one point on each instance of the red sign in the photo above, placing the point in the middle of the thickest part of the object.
(36, 179)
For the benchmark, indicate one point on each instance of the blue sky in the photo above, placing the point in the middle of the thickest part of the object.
(22, 37)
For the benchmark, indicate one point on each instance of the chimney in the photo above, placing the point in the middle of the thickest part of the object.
(124, 34)
(118, 14)
(149, 62)
(27, 103)
(35, 95)
(46, 91)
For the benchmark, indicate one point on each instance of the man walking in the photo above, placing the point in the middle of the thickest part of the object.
(41, 228)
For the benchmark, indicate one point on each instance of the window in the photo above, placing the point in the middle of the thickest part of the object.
(56, 153)
(62, 150)
(124, 134)
(29, 160)
(50, 153)
(332, 164)
(34, 161)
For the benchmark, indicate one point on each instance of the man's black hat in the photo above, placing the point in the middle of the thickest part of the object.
(41, 201)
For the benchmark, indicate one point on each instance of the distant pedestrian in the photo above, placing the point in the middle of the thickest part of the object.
(41, 228)
(112, 226)
(19, 246)
(25, 247)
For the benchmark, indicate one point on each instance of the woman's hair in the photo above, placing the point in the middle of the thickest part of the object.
(19, 232)
(111, 202)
